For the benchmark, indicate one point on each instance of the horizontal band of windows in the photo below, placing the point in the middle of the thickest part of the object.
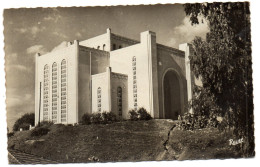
(63, 80)
(54, 112)
(63, 120)
(63, 111)
(54, 108)
(99, 105)
(63, 67)
(63, 116)
(63, 98)
(63, 89)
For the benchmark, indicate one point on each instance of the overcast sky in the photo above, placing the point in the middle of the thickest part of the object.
(27, 31)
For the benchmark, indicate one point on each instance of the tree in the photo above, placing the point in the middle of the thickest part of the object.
(24, 122)
(224, 64)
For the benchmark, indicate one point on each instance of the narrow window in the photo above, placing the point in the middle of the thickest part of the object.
(114, 46)
(99, 99)
(54, 93)
(119, 101)
(104, 47)
(134, 82)
(120, 47)
(63, 91)
(46, 93)
(98, 47)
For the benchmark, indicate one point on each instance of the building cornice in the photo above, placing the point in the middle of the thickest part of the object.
(177, 52)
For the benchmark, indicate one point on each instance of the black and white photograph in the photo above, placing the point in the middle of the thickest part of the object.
(129, 83)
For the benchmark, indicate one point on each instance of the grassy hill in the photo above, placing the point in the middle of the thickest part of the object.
(124, 141)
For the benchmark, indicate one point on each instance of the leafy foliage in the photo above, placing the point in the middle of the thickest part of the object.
(192, 121)
(133, 115)
(224, 64)
(141, 114)
(40, 131)
(98, 118)
(24, 122)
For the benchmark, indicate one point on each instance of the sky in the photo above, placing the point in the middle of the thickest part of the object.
(31, 30)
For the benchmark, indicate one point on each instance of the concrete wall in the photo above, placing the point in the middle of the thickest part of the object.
(70, 55)
(99, 61)
(121, 62)
(119, 80)
(120, 41)
(100, 41)
(101, 80)
(171, 60)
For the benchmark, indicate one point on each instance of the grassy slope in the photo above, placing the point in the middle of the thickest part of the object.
(124, 141)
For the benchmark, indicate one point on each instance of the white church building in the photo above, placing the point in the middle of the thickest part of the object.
(112, 73)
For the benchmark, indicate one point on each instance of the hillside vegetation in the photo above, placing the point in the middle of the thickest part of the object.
(123, 141)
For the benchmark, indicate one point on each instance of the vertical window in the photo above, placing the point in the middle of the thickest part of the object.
(119, 101)
(54, 92)
(98, 47)
(104, 47)
(120, 47)
(46, 93)
(134, 82)
(114, 46)
(99, 99)
(63, 91)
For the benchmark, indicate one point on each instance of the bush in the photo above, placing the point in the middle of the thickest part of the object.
(143, 114)
(40, 131)
(96, 118)
(10, 134)
(133, 115)
(108, 117)
(45, 124)
(24, 122)
(86, 119)
(192, 121)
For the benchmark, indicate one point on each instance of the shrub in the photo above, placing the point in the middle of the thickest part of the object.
(10, 134)
(40, 131)
(133, 115)
(45, 124)
(192, 121)
(86, 119)
(143, 114)
(108, 117)
(96, 118)
(24, 122)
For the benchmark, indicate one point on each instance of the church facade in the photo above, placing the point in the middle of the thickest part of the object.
(112, 73)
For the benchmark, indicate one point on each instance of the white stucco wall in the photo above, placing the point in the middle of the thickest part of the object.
(70, 55)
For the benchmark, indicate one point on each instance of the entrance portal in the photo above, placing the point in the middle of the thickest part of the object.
(172, 98)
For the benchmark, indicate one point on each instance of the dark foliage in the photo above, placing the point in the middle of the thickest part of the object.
(108, 117)
(40, 131)
(192, 121)
(143, 114)
(98, 118)
(140, 114)
(86, 119)
(223, 62)
(133, 115)
(24, 122)
(10, 134)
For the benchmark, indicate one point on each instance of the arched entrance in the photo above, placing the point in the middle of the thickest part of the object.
(171, 95)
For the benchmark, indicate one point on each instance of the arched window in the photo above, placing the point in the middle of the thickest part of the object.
(63, 91)
(46, 93)
(54, 92)
(104, 47)
(98, 47)
(134, 82)
(99, 99)
(119, 101)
